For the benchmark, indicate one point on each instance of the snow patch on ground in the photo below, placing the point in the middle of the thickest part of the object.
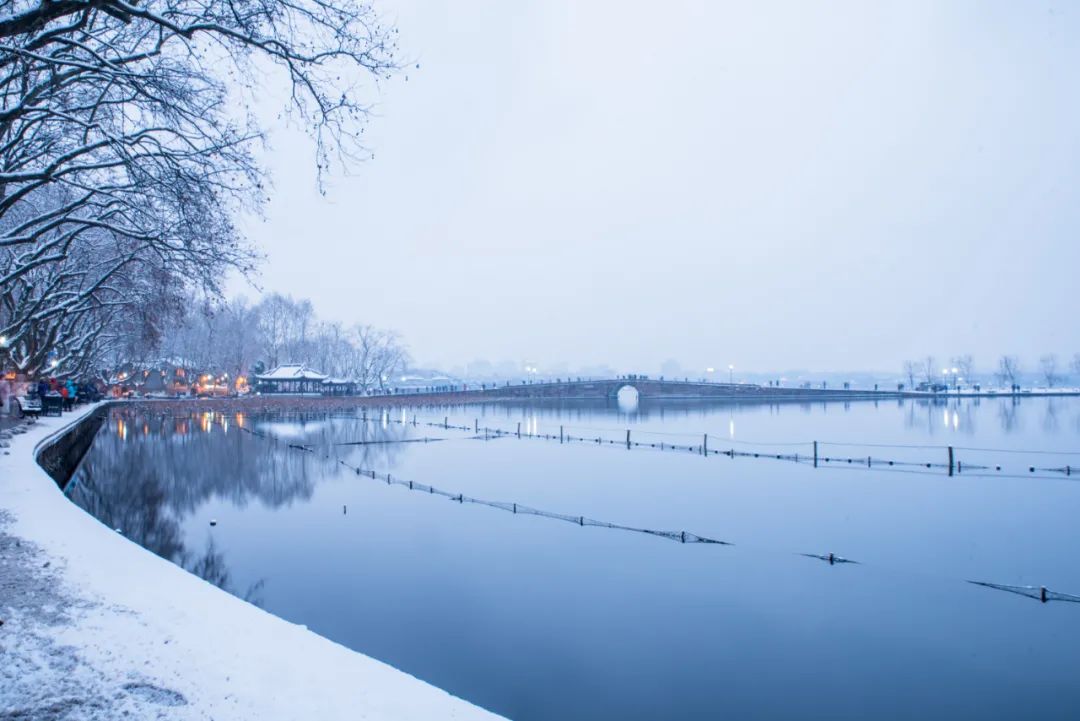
(43, 677)
(95, 627)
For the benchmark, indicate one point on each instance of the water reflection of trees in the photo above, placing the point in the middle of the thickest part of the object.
(959, 415)
(146, 473)
(1050, 417)
(1009, 415)
(928, 414)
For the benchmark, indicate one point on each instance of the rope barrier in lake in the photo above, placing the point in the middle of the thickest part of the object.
(1039, 593)
(816, 454)
(512, 507)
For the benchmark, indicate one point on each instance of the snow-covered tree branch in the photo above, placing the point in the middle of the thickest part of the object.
(126, 147)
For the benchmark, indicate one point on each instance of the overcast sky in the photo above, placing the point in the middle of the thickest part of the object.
(774, 185)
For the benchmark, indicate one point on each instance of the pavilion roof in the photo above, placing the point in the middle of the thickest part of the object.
(292, 372)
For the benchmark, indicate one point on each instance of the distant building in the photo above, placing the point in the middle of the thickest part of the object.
(338, 387)
(291, 378)
(161, 377)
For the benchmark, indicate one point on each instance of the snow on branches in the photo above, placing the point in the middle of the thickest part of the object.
(123, 157)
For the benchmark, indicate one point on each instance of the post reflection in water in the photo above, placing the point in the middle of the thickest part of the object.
(540, 620)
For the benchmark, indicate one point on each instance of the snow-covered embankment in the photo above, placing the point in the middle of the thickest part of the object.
(95, 626)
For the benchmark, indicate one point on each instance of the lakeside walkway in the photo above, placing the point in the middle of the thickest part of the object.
(95, 627)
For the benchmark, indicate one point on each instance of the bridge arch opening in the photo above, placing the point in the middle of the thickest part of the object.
(628, 398)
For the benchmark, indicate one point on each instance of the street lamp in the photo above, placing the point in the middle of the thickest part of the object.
(731, 372)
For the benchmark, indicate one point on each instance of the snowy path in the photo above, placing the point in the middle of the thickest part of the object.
(96, 627)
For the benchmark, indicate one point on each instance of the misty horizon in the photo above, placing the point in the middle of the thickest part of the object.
(848, 190)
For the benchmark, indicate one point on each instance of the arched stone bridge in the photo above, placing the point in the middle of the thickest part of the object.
(655, 388)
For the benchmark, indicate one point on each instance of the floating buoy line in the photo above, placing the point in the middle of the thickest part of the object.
(815, 455)
(1039, 593)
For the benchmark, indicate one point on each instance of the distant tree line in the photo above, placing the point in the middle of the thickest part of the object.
(126, 145)
(239, 338)
(1008, 370)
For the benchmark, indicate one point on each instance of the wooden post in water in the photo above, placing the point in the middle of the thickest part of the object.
(815, 454)
(519, 429)
(446, 422)
(476, 425)
(627, 439)
(560, 434)
(705, 445)
(951, 461)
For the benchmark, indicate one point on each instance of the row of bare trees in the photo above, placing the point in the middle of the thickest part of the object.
(1051, 372)
(1009, 370)
(237, 337)
(126, 150)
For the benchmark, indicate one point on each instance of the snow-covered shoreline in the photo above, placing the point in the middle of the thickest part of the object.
(95, 626)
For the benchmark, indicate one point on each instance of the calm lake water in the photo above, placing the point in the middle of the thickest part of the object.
(538, 618)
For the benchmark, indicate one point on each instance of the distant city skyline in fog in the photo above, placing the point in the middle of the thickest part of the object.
(771, 186)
